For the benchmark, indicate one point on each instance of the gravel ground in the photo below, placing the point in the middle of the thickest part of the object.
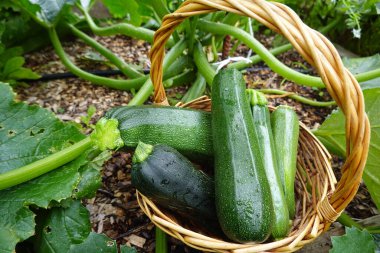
(114, 210)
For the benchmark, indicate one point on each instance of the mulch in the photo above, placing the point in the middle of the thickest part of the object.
(114, 210)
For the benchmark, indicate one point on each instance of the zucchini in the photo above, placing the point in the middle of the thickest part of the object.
(242, 194)
(161, 173)
(187, 130)
(285, 127)
(263, 129)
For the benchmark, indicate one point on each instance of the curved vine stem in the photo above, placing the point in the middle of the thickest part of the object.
(117, 61)
(267, 57)
(270, 59)
(112, 83)
(120, 28)
(298, 98)
(146, 90)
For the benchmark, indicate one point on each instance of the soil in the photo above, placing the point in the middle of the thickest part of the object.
(114, 211)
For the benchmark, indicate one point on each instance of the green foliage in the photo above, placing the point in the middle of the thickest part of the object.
(355, 10)
(90, 113)
(46, 13)
(39, 131)
(14, 22)
(68, 230)
(11, 67)
(41, 134)
(353, 241)
(100, 243)
(332, 135)
(362, 65)
(317, 13)
(127, 9)
(14, 25)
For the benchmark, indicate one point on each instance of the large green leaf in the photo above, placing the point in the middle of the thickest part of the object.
(11, 66)
(38, 130)
(68, 230)
(46, 12)
(353, 241)
(29, 133)
(362, 65)
(332, 135)
(60, 227)
(124, 9)
(99, 243)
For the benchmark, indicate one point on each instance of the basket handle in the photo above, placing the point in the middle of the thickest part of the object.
(319, 52)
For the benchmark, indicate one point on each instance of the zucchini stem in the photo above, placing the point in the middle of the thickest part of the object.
(161, 241)
(256, 97)
(40, 167)
(142, 152)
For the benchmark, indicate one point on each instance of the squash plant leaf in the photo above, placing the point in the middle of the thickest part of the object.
(46, 13)
(68, 230)
(11, 66)
(127, 9)
(353, 241)
(100, 243)
(364, 64)
(29, 133)
(332, 135)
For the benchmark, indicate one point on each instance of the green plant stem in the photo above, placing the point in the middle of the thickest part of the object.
(369, 75)
(191, 26)
(214, 50)
(272, 61)
(196, 90)
(40, 167)
(202, 63)
(118, 62)
(347, 221)
(298, 98)
(280, 49)
(178, 66)
(121, 28)
(160, 8)
(143, 94)
(161, 241)
(112, 83)
(146, 90)
(256, 46)
(184, 78)
(256, 58)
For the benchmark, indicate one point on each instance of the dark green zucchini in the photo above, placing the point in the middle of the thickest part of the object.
(285, 127)
(263, 129)
(171, 180)
(188, 131)
(242, 194)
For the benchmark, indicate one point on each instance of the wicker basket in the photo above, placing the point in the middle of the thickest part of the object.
(316, 208)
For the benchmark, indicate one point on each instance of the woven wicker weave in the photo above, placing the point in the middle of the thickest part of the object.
(316, 208)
